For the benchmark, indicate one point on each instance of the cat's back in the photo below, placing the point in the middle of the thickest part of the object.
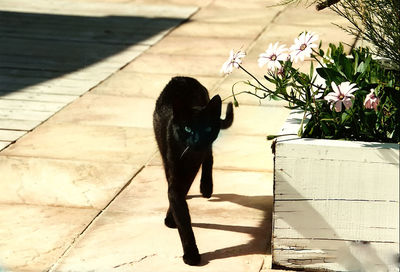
(185, 91)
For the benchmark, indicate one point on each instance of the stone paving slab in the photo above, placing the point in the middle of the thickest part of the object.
(308, 17)
(135, 216)
(249, 4)
(327, 34)
(239, 152)
(239, 30)
(196, 3)
(39, 234)
(206, 66)
(152, 184)
(198, 46)
(257, 121)
(238, 78)
(142, 84)
(99, 8)
(89, 143)
(108, 110)
(70, 37)
(67, 183)
(218, 14)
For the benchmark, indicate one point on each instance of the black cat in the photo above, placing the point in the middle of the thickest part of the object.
(186, 122)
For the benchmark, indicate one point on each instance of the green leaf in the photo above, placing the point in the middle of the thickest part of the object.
(270, 79)
(325, 129)
(361, 68)
(311, 70)
(274, 97)
(345, 117)
(329, 74)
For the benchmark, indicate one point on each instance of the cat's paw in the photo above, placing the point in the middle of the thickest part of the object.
(192, 257)
(170, 222)
(206, 189)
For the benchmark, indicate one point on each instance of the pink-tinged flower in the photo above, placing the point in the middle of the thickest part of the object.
(342, 94)
(273, 55)
(302, 46)
(235, 58)
(371, 101)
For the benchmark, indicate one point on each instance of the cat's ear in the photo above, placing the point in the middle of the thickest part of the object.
(214, 106)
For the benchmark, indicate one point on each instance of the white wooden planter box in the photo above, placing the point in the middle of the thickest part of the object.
(336, 204)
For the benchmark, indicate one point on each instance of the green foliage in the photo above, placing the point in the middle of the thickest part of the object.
(377, 21)
(302, 91)
(358, 123)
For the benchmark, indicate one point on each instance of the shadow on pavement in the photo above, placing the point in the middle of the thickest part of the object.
(37, 47)
(261, 234)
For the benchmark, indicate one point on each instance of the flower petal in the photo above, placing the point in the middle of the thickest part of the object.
(347, 103)
(338, 106)
(335, 88)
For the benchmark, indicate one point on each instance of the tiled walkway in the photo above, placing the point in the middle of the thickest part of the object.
(52, 52)
(85, 190)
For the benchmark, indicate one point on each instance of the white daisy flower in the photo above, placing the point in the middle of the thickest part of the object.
(302, 46)
(273, 55)
(342, 94)
(235, 58)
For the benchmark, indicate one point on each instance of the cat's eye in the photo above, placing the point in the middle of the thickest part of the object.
(188, 130)
(208, 129)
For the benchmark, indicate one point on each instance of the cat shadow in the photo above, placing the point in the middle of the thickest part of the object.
(261, 234)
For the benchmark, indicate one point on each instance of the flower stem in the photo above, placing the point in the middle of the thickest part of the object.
(241, 67)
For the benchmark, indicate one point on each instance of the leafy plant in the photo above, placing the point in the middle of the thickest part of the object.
(378, 22)
(375, 21)
(351, 97)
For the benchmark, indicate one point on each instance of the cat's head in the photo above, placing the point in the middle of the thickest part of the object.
(197, 127)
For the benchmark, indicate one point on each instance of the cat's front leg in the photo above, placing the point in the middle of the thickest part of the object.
(180, 212)
(169, 220)
(206, 182)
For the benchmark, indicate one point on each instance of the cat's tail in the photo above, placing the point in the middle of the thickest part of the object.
(227, 122)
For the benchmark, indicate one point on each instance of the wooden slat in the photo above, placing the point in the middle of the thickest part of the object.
(51, 52)
(10, 135)
(30, 105)
(72, 51)
(335, 255)
(83, 8)
(18, 124)
(27, 96)
(59, 23)
(294, 175)
(4, 144)
(347, 220)
(24, 115)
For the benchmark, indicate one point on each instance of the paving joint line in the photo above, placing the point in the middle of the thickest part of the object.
(88, 226)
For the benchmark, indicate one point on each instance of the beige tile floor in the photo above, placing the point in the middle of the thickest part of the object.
(78, 43)
(85, 191)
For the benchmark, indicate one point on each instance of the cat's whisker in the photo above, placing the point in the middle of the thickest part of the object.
(184, 151)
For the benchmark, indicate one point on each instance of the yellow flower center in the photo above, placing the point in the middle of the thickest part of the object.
(273, 57)
(303, 46)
